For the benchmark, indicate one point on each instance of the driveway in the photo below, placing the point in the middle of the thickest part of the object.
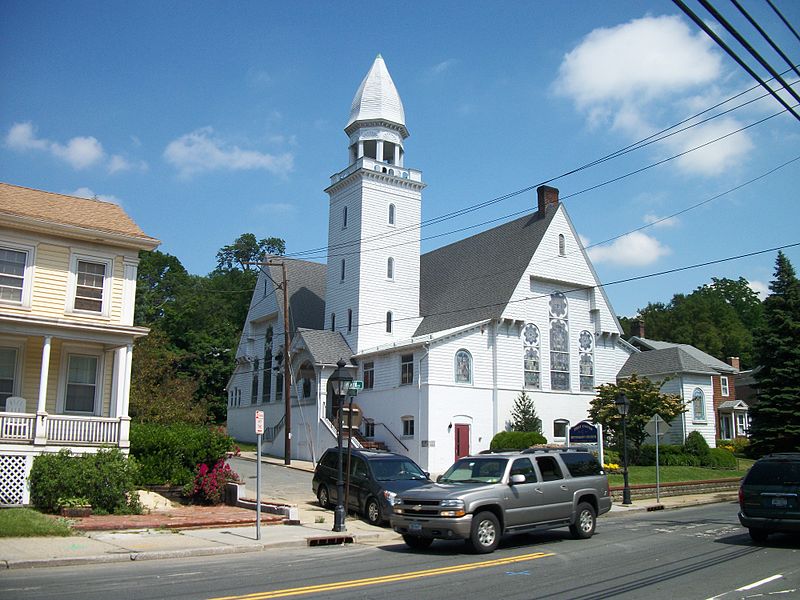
(292, 486)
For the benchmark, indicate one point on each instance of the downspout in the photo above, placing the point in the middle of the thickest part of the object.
(495, 408)
(427, 346)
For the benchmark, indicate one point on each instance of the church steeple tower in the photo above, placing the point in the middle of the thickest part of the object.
(372, 294)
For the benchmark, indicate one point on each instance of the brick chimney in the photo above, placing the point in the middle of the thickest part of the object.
(637, 328)
(547, 196)
(734, 362)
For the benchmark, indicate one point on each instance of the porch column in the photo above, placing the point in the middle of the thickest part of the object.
(379, 151)
(40, 435)
(124, 419)
(397, 155)
(118, 382)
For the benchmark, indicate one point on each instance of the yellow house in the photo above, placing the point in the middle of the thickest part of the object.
(67, 291)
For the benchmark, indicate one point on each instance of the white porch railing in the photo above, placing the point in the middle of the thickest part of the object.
(17, 427)
(64, 429)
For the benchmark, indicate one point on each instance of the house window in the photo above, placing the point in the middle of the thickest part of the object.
(723, 382)
(268, 365)
(389, 322)
(333, 321)
(369, 375)
(8, 374)
(586, 356)
(341, 277)
(408, 426)
(254, 388)
(698, 405)
(406, 369)
(349, 320)
(390, 268)
(81, 385)
(369, 428)
(559, 342)
(463, 367)
(741, 424)
(89, 286)
(15, 264)
(531, 356)
(562, 245)
(560, 428)
(344, 218)
(391, 214)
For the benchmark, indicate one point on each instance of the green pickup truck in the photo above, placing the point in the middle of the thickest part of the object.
(482, 497)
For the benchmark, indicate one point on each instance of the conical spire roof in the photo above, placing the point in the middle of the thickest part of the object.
(377, 98)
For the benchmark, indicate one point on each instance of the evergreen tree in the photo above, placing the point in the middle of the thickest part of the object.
(776, 416)
(523, 415)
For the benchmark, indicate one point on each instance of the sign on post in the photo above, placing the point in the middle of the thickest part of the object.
(583, 433)
(259, 422)
(259, 433)
(657, 427)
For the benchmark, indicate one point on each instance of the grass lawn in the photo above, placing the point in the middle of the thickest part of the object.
(247, 446)
(637, 475)
(24, 522)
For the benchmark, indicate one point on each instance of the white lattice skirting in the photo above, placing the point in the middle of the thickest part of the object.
(14, 470)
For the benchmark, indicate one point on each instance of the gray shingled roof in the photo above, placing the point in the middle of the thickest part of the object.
(306, 291)
(327, 347)
(479, 271)
(662, 362)
(699, 355)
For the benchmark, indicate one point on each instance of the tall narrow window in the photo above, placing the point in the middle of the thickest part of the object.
(562, 245)
(81, 384)
(12, 274)
(463, 367)
(698, 405)
(723, 382)
(531, 356)
(254, 387)
(390, 268)
(349, 320)
(8, 374)
(333, 321)
(369, 375)
(268, 365)
(586, 351)
(406, 369)
(389, 322)
(344, 218)
(342, 274)
(278, 387)
(408, 426)
(89, 288)
(391, 214)
(559, 342)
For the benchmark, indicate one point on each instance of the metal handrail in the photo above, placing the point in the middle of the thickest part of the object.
(386, 427)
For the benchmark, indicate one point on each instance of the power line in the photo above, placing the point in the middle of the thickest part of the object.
(782, 18)
(764, 34)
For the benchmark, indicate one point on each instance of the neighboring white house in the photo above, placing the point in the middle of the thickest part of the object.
(445, 341)
(67, 291)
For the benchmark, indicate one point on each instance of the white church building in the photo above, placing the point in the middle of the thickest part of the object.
(444, 342)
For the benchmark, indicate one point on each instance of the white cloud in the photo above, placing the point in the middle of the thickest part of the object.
(650, 72)
(760, 288)
(275, 208)
(201, 150)
(22, 136)
(635, 249)
(85, 192)
(80, 152)
(118, 163)
(441, 67)
(657, 221)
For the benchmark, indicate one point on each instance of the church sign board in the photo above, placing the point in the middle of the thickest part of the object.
(583, 433)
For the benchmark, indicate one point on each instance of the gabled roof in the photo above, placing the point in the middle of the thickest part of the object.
(699, 355)
(37, 210)
(326, 347)
(377, 97)
(473, 279)
(663, 362)
(306, 291)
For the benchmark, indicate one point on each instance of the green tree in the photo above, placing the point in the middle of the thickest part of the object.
(247, 249)
(646, 400)
(161, 281)
(776, 417)
(523, 415)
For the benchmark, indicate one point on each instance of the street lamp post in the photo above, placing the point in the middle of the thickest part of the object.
(340, 384)
(623, 405)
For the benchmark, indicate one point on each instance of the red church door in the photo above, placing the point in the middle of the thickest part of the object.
(462, 440)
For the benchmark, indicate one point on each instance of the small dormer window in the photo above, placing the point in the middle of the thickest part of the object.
(562, 245)
(391, 214)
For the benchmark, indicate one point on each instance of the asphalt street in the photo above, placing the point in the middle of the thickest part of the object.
(698, 552)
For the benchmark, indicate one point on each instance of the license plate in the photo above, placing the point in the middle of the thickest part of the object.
(779, 502)
(415, 527)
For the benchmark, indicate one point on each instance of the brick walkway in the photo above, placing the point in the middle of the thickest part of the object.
(183, 517)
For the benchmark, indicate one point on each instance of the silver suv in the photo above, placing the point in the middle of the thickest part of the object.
(482, 497)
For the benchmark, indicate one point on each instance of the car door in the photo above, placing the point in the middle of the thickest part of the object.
(359, 483)
(555, 497)
(522, 498)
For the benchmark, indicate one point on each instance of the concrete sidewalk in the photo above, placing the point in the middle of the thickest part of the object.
(148, 544)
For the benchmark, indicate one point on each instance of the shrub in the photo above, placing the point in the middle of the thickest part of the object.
(737, 445)
(209, 484)
(612, 456)
(516, 440)
(696, 444)
(170, 454)
(669, 455)
(105, 480)
(719, 458)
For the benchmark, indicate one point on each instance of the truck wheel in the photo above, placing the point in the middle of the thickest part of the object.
(585, 521)
(322, 497)
(416, 542)
(485, 534)
(758, 535)
(372, 511)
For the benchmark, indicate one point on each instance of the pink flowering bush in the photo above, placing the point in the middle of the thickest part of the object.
(209, 484)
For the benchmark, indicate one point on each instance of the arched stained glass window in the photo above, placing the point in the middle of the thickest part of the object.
(463, 367)
(562, 245)
(559, 342)
(698, 405)
(531, 356)
(586, 352)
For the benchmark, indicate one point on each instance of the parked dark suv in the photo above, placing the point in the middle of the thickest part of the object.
(375, 480)
(769, 496)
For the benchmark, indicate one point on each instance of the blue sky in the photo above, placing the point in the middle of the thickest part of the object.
(205, 120)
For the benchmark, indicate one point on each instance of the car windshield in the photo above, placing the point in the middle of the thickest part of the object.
(396, 470)
(476, 470)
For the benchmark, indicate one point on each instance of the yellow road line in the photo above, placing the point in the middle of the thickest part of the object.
(354, 583)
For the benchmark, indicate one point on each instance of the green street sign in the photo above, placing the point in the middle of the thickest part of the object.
(356, 385)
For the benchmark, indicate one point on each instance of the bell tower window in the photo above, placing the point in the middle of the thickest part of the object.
(391, 214)
(390, 268)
